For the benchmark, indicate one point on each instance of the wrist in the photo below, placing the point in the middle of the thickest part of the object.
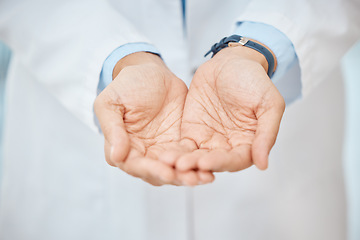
(231, 54)
(251, 51)
(137, 58)
(246, 54)
(257, 57)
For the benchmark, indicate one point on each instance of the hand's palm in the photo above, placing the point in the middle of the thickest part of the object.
(141, 112)
(152, 110)
(222, 113)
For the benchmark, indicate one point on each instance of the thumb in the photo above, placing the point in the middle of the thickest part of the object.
(110, 115)
(265, 136)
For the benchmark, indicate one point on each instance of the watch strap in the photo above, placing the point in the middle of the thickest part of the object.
(223, 43)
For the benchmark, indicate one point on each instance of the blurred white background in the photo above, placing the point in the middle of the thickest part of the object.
(351, 153)
(5, 55)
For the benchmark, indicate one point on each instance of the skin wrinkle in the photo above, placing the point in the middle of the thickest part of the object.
(250, 127)
(212, 104)
(136, 144)
(159, 108)
(211, 127)
(171, 112)
(190, 139)
(115, 103)
(167, 115)
(232, 118)
(206, 141)
(228, 131)
(245, 127)
(151, 109)
(174, 122)
(216, 110)
(221, 111)
(218, 121)
(206, 110)
(149, 136)
(148, 150)
(168, 128)
(152, 139)
(238, 125)
(149, 124)
(163, 102)
(243, 113)
(135, 127)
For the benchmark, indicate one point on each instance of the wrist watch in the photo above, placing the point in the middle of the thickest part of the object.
(236, 40)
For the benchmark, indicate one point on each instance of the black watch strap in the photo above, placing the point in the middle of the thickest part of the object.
(247, 43)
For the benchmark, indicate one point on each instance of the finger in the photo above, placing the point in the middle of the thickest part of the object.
(188, 178)
(136, 153)
(110, 116)
(217, 141)
(188, 144)
(107, 150)
(265, 136)
(155, 151)
(153, 171)
(174, 152)
(205, 177)
(237, 159)
(190, 160)
(153, 182)
(170, 157)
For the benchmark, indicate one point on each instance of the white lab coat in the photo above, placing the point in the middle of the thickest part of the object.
(56, 184)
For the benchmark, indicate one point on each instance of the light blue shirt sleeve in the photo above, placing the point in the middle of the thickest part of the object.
(116, 55)
(287, 75)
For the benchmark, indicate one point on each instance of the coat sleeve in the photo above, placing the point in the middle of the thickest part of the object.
(321, 31)
(64, 44)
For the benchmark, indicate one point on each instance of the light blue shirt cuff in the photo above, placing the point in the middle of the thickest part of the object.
(286, 77)
(116, 55)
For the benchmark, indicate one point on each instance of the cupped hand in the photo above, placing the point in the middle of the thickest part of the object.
(140, 115)
(232, 113)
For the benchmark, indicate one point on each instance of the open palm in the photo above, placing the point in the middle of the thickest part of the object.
(140, 115)
(232, 115)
